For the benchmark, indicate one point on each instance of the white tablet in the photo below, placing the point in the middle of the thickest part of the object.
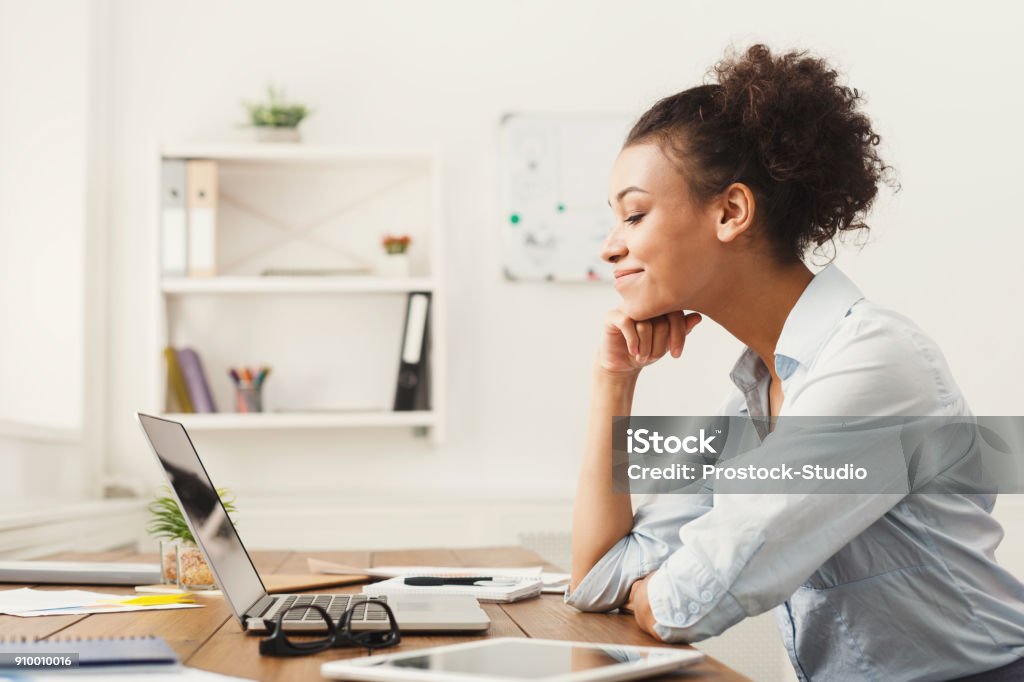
(510, 659)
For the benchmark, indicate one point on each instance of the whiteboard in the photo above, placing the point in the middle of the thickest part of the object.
(555, 194)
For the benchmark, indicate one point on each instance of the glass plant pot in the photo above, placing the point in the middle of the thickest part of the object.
(182, 564)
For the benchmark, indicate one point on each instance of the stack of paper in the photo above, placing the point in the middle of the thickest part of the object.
(552, 582)
(27, 602)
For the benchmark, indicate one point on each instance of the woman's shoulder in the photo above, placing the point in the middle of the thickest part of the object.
(886, 333)
(884, 350)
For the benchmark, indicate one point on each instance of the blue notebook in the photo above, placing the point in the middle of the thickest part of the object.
(112, 653)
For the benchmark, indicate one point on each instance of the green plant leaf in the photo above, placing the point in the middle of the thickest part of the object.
(275, 112)
(168, 523)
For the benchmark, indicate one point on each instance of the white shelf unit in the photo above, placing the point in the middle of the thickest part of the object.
(282, 206)
(296, 285)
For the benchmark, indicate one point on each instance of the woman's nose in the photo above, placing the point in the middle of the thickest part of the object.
(614, 247)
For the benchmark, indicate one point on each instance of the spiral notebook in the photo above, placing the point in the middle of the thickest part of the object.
(94, 654)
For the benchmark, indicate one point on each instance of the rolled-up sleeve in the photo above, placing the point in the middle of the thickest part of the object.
(654, 538)
(749, 554)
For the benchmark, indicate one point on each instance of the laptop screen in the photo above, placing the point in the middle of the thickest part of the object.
(205, 514)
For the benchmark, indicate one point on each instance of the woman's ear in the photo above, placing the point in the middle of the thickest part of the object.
(736, 211)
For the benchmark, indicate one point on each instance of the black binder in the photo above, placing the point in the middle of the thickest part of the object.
(413, 389)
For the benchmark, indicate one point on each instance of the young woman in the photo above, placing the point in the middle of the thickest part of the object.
(719, 191)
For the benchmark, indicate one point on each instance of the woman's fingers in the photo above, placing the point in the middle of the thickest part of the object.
(648, 340)
(659, 338)
(677, 333)
(681, 325)
(689, 322)
(645, 330)
(617, 320)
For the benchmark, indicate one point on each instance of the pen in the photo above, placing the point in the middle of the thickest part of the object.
(431, 581)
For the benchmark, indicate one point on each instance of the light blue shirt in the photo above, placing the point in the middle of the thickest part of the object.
(863, 586)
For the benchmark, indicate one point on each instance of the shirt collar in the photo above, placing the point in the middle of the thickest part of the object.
(826, 300)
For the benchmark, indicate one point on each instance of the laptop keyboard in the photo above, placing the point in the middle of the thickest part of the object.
(334, 604)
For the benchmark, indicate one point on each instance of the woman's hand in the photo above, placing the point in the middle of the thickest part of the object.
(640, 606)
(628, 345)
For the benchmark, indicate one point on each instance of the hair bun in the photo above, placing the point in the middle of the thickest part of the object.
(794, 109)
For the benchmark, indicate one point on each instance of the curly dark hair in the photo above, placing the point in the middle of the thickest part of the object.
(784, 126)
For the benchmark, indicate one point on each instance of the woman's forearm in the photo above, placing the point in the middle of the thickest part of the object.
(600, 517)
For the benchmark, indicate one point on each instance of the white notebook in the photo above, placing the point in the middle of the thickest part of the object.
(522, 589)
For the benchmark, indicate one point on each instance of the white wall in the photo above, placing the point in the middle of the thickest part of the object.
(44, 50)
(944, 250)
(50, 377)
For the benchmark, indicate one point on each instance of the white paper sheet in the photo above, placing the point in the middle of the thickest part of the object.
(26, 603)
(551, 580)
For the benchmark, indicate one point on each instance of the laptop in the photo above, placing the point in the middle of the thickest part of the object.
(237, 577)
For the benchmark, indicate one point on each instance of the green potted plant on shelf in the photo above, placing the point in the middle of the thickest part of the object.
(276, 120)
(181, 561)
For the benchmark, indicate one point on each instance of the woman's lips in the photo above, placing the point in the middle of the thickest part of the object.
(624, 277)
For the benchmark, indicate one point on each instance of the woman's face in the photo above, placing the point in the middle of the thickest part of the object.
(664, 245)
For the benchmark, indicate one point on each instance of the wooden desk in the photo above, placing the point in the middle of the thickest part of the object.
(210, 638)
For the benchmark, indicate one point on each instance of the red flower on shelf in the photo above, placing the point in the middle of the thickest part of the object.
(396, 244)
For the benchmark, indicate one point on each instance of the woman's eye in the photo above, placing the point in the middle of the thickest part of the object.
(634, 219)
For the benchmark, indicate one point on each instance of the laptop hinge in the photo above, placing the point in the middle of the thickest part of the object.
(260, 607)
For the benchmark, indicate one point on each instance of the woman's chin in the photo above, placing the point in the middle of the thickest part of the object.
(645, 309)
(639, 310)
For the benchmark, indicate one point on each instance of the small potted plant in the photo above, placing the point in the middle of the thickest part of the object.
(396, 257)
(181, 562)
(276, 120)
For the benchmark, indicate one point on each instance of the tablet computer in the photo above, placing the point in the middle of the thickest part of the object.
(511, 659)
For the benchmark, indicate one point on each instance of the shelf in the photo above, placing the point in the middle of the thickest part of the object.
(299, 152)
(295, 206)
(358, 284)
(230, 421)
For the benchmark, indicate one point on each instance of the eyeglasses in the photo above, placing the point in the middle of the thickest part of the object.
(281, 643)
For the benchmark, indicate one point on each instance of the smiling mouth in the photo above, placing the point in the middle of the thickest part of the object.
(625, 276)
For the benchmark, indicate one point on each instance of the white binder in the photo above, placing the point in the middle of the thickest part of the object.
(202, 218)
(173, 220)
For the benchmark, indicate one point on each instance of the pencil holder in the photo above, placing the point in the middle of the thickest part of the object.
(248, 399)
